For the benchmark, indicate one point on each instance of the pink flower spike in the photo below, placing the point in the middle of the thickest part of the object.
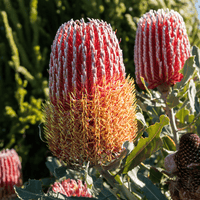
(161, 48)
(69, 187)
(10, 172)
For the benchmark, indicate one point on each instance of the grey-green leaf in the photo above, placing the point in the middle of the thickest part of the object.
(146, 146)
(145, 185)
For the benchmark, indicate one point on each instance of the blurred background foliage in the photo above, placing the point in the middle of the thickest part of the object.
(27, 30)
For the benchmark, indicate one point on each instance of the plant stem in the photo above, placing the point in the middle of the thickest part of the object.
(111, 180)
(122, 190)
(171, 116)
(164, 90)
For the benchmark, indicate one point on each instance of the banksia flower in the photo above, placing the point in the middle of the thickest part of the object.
(187, 160)
(70, 187)
(82, 55)
(10, 172)
(161, 48)
(91, 112)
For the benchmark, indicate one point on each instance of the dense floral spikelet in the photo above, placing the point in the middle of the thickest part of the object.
(92, 108)
(10, 171)
(187, 159)
(161, 48)
(70, 187)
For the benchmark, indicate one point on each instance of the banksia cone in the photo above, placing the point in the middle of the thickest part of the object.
(161, 48)
(91, 112)
(70, 187)
(10, 172)
(187, 160)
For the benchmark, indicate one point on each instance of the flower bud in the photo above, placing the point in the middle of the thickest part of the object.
(161, 48)
(10, 172)
(170, 164)
(70, 187)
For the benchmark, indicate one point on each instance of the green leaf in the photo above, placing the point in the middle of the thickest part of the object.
(126, 193)
(168, 143)
(184, 116)
(155, 175)
(196, 53)
(145, 185)
(146, 146)
(32, 190)
(187, 71)
(52, 163)
(173, 99)
(103, 192)
(60, 171)
(47, 181)
(145, 85)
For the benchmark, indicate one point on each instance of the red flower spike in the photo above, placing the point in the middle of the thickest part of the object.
(70, 187)
(161, 48)
(82, 54)
(10, 172)
(92, 108)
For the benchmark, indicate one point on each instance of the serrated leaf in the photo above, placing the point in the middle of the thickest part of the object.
(187, 71)
(146, 146)
(31, 190)
(145, 185)
(168, 143)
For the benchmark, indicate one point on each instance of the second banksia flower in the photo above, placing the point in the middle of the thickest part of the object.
(10, 172)
(161, 48)
(92, 106)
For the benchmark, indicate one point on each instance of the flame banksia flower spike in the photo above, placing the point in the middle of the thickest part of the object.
(10, 172)
(187, 160)
(91, 112)
(70, 187)
(161, 48)
(82, 54)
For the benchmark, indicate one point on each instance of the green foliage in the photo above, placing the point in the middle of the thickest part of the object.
(146, 146)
